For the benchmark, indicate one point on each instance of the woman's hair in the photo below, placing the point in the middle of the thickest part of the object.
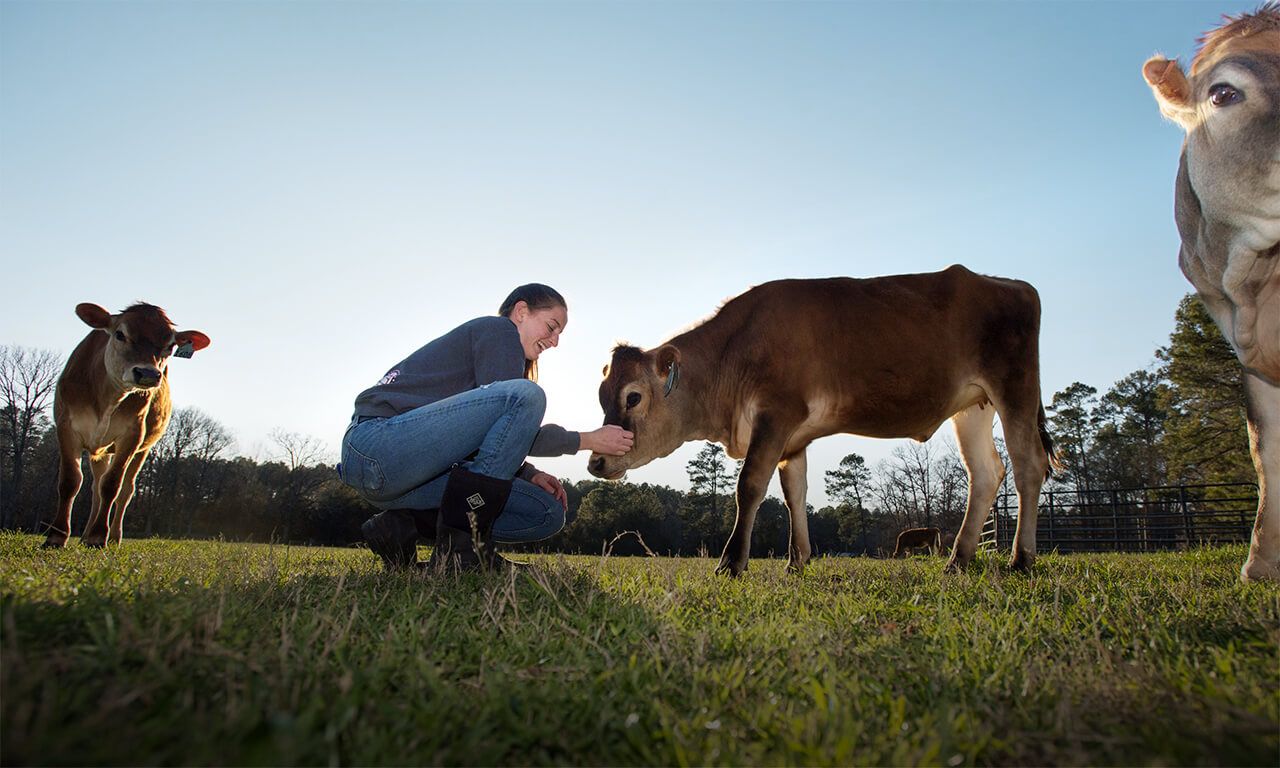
(536, 296)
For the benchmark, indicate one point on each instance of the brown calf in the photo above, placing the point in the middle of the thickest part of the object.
(791, 361)
(112, 401)
(914, 538)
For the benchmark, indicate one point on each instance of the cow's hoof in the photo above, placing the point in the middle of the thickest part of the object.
(1258, 569)
(94, 542)
(728, 569)
(795, 567)
(54, 542)
(1022, 561)
(957, 563)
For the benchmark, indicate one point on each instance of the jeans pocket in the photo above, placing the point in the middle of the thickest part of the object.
(362, 472)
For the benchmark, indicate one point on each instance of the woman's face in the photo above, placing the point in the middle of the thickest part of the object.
(539, 328)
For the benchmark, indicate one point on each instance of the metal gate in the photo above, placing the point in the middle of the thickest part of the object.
(1134, 519)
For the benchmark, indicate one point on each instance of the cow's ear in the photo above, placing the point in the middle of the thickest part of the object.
(667, 360)
(93, 315)
(1171, 89)
(196, 339)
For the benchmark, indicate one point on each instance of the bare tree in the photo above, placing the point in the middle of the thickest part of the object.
(298, 450)
(923, 483)
(180, 463)
(27, 381)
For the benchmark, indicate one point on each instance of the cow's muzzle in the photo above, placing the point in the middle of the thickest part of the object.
(146, 377)
(598, 466)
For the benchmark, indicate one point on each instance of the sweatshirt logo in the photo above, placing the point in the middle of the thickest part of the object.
(390, 377)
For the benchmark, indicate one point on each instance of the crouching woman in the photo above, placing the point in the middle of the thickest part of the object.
(441, 441)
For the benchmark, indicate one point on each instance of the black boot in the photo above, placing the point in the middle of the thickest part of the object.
(464, 526)
(393, 536)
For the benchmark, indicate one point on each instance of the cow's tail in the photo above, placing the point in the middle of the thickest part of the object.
(1055, 463)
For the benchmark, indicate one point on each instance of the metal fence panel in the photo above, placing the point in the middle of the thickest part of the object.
(1134, 519)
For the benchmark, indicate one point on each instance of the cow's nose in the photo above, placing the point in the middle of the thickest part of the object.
(147, 377)
(596, 465)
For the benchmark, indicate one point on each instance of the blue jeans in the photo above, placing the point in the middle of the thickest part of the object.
(403, 462)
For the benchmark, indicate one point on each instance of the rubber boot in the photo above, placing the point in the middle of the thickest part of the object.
(393, 536)
(464, 525)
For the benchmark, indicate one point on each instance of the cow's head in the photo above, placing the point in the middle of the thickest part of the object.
(1229, 106)
(140, 341)
(639, 392)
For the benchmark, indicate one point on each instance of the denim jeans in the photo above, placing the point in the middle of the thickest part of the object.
(403, 462)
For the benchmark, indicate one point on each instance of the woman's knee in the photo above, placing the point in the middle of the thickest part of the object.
(528, 394)
(531, 514)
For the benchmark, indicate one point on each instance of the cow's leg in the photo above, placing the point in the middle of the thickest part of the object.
(115, 527)
(95, 530)
(70, 477)
(1264, 444)
(795, 486)
(768, 439)
(1030, 467)
(986, 472)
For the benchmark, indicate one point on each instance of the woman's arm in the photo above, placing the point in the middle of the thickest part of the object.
(555, 440)
(611, 440)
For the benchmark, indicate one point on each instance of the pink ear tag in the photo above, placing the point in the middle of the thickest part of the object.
(186, 350)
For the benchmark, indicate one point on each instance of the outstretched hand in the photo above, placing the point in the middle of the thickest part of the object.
(610, 440)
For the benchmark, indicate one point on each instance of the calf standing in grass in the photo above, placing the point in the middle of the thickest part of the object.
(913, 538)
(112, 401)
(790, 361)
(1227, 207)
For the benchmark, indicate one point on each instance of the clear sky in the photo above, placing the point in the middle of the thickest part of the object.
(323, 187)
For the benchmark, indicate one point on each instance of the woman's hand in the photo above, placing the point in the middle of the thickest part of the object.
(551, 484)
(610, 440)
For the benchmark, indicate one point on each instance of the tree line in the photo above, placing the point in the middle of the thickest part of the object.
(1180, 420)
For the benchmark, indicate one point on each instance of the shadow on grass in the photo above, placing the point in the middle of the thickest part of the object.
(155, 660)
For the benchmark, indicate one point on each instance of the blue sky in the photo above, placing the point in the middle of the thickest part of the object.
(323, 187)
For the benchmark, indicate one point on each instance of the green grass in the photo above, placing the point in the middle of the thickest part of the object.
(228, 654)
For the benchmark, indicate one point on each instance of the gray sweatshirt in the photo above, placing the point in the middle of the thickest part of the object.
(478, 352)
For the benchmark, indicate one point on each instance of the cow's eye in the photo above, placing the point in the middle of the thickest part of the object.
(119, 336)
(1221, 95)
(633, 399)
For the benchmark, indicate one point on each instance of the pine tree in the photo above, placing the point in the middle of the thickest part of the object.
(1074, 426)
(845, 485)
(1205, 436)
(1129, 440)
(709, 487)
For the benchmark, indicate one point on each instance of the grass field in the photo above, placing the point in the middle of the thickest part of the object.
(184, 652)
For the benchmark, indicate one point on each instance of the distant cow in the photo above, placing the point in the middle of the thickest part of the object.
(790, 361)
(1227, 207)
(915, 538)
(112, 400)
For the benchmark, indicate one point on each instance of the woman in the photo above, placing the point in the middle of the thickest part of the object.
(442, 439)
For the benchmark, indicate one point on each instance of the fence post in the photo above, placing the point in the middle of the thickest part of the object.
(1187, 523)
(1115, 522)
(1052, 538)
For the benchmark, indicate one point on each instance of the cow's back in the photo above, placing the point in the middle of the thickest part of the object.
(862, 352)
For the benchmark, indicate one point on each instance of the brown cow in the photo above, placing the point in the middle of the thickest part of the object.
(914, 538)
(790, 361)
(112, 400)
(1227, 207)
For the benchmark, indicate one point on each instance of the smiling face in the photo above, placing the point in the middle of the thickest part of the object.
(539, 329)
